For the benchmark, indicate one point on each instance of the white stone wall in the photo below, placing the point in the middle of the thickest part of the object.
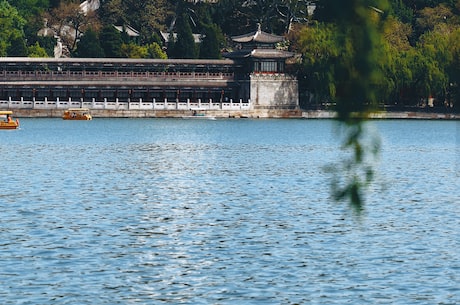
(274, 91)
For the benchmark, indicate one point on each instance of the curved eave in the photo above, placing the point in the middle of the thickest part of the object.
(260, 53)
(258, 36)
(238, 54)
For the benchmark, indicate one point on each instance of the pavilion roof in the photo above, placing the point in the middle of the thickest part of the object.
(258, 36)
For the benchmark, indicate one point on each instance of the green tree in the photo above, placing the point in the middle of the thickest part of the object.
(112, 12)
(399, 78)
(17, 47)
(419, 4)
(89, 46)
(261, 12)
(423, 70)
(68, 22)
(54, 3)
(274, 16)
(402, 11)
(290, 12)
(11, 27)
(230, 19)
(111, 41)
(358, 73)
(47, 43)
(429, 17)
(397, 33)
(318, 44)
(30, 8)
(132, 50)
(154, 51)
(148, 16)
(36, 50)
(453, 69)
(211, 43)
(397, 72)
(184, 46)
(438, 51)
(154, 17)
(171, 45)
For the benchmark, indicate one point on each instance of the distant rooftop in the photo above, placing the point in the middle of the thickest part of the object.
(90, 5)
(165, 37)
(128, 29)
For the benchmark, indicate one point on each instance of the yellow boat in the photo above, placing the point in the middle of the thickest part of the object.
(7, 122)
(77, 114)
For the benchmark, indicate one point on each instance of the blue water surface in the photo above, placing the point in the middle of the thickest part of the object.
(169, 211)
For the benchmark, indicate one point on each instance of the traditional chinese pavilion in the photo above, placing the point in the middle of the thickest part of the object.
(251, 81)
(264, 70)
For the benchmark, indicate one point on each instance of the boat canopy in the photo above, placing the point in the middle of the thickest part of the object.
(78, 109)
(5, 112)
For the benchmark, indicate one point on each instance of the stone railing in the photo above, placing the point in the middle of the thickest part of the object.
(125, 105)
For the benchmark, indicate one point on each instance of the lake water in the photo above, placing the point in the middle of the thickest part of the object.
(169, 211)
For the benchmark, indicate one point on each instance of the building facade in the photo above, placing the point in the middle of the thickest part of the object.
(264, 71)
(250, 78)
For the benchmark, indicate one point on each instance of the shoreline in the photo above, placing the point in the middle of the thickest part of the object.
(221, 114)
(387, 115)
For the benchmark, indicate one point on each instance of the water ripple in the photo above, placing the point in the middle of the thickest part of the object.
(226, 212)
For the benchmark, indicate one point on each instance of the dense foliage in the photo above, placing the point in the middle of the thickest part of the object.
(417, 56)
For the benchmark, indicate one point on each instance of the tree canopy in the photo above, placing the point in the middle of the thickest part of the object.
(415, 58)
(11, 27)
(89, 46)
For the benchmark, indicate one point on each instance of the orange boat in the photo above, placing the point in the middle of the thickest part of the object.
(7, 122)
(77, 114)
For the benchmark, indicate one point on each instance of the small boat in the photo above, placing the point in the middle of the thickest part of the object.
(199, 113)
(7, 122)
(81, 114)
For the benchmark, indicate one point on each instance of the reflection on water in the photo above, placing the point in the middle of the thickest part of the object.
(155, 211)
